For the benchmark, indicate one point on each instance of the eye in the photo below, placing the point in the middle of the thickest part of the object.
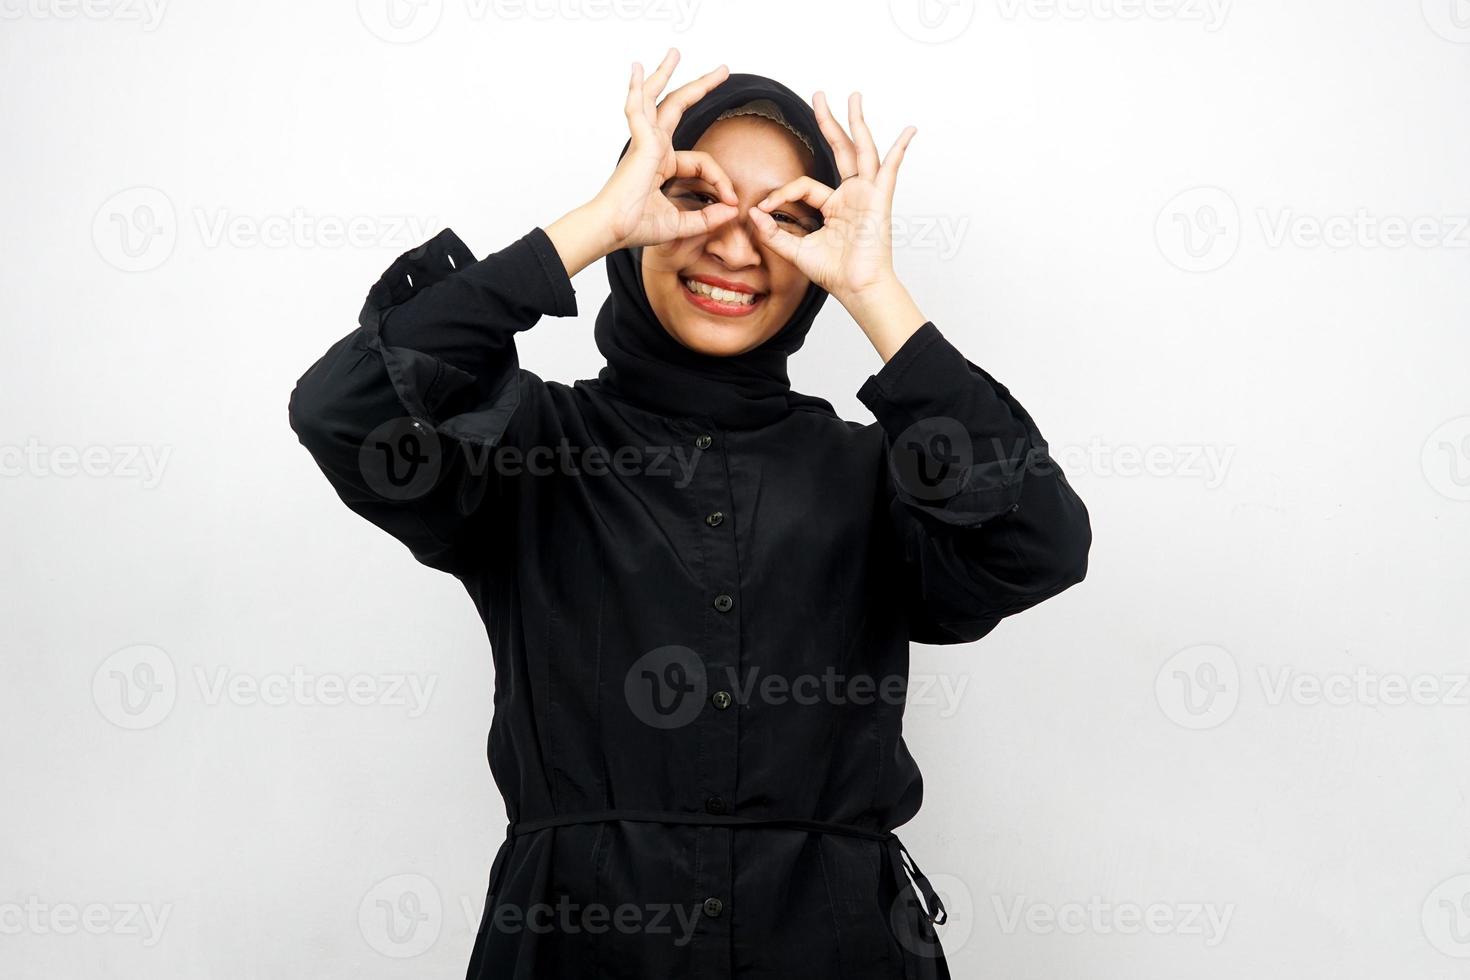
(797, 225)
(698, 198)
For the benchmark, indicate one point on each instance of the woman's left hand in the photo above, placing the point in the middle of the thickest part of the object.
(852, 253)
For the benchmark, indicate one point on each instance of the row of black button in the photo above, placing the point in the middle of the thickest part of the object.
(722, 602)
(713, 907)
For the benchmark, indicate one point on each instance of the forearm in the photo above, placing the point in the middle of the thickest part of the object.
(887, 314)
(581, 237)
(439, 301)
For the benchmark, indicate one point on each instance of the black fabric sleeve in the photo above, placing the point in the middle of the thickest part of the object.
(402, 413)
(987, 523)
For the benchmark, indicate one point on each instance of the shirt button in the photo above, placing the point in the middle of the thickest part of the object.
(724, 603)
(715, 519)
(703, 442)
(721, 699)
(713, 907)
(715, 804)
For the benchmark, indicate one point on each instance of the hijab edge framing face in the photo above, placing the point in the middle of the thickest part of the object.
(646, 364)
(758, 156)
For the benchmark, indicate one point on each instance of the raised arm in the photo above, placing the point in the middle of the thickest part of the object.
(986, 521)
(402, 413)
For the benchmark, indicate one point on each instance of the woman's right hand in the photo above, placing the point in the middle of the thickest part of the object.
(633, 201)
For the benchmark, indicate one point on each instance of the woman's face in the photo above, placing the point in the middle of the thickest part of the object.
(759, 156)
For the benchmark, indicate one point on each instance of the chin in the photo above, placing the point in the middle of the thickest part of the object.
(718, 339)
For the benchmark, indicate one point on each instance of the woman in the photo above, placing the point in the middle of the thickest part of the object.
(699, 586)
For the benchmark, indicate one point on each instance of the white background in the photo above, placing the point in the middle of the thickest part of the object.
(1219, 250)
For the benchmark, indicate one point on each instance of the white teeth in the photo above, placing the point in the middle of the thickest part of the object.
(715, 292)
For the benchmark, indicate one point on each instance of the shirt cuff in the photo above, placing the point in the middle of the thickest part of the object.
(885, 385)
(561, 297)
(531, 261)
(928, 376)
(469, 406)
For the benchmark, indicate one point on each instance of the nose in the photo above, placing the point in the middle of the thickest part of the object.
(734, 242)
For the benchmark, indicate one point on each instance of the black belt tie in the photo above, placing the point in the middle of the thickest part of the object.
(899, 858)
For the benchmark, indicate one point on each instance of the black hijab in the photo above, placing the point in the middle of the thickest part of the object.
(647, 366)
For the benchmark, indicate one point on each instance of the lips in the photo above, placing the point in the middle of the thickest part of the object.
(734, 285)
(722, 297)
(727, 285)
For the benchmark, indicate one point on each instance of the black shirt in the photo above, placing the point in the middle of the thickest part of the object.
(700, 632)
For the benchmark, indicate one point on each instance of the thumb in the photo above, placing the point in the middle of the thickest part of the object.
(687, 224)
(780, 241)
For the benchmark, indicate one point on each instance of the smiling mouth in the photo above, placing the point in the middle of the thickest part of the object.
(723, 302)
